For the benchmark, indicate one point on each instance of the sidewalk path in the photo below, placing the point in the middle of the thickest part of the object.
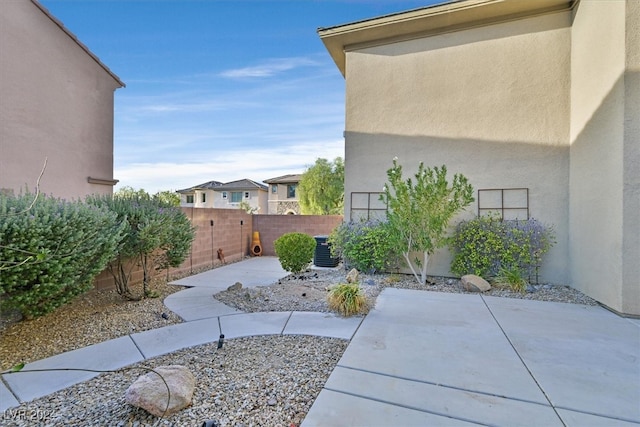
(205, 319)
(418, 358)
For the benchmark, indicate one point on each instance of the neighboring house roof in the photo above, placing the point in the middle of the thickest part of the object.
(241, 184)
(78, 42)
(284, 179)
(209, 185)
(428, 21)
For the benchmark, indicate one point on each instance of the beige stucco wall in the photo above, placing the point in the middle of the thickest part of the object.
(490, 102)
(605, 159)
(257, 199)
(56, 102)
(214, 199)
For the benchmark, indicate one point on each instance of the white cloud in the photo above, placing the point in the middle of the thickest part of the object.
(269, 68)
(255, 163)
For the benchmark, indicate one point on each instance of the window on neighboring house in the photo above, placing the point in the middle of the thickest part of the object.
(274, 188)
(224, 194)
(203, 197)
(189, 198)
(236, 196)
(246, 194)
(291, 191)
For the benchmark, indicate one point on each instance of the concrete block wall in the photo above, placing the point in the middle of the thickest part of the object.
(271, 227)
(233, 238)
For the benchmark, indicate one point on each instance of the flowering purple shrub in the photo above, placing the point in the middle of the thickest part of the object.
(487, 245)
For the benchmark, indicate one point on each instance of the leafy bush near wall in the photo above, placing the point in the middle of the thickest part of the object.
(295, 251)
(157, 235)
(487, 245)
(51, 250)
(365, 245)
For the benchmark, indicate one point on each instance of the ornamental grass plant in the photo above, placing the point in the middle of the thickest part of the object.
(347, 299)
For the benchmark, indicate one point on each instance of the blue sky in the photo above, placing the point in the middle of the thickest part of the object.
(219, 90)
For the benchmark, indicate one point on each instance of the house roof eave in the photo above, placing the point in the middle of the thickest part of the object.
(241, 185)
(78, 42)
(284, 179)
(430, 20)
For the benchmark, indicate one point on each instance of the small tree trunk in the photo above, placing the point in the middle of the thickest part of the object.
(121, 279)
(145, 276)
(410, 264)
(424, 267)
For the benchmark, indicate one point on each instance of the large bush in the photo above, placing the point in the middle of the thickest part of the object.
(487, 246)
(51, 250)
(420, 209)
(158, 235)
(295, 251)
(365, 245)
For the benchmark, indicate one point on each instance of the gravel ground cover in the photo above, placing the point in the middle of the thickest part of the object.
(91, 318)
(308, 291)
(255, 381)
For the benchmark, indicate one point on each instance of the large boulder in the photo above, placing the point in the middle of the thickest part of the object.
(353, 276)
(473, 283)
(149, 392)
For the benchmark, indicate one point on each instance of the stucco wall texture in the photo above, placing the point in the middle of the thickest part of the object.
(491, 103)
(548, 102)
(57, 104)
(605, 156)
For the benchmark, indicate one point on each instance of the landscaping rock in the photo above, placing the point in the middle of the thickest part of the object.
(473, 283)
(149, 392)
(353, 276)
(235, 287)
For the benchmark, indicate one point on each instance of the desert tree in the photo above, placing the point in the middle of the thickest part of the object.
(322, 188)
(419, 212)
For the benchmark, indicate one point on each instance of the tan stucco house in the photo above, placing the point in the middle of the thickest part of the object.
(199, 196)
(243, 193)
(537, 102)
(283, 194)
(56, 105)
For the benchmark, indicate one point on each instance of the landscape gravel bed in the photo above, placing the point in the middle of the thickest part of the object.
(308, 291)
(94, 317)
(254, 381)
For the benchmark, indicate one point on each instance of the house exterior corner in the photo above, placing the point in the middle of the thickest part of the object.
(499, 92)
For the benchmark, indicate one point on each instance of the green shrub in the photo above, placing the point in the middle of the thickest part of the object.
(51, 250)
(485, 245)
(158, 235)
(347, 299)
(365, 245)
(295, 251)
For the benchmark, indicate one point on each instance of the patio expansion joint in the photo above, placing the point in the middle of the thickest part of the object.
(595, 414)
(144, 357)
(399, 405)
(357, 328)
(522, 360)
(448, 386)
(286, 323)
(8, 387)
